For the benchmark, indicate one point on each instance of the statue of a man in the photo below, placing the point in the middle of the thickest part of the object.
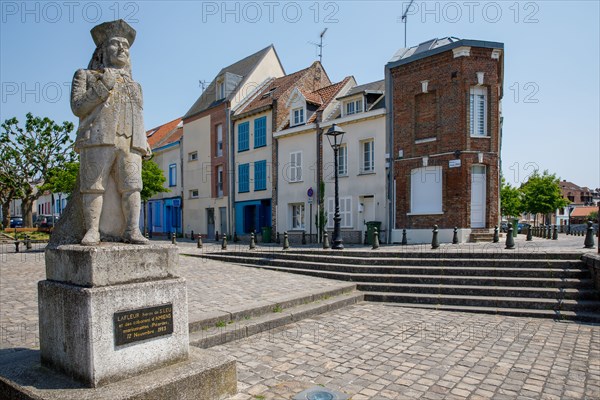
(111, 139)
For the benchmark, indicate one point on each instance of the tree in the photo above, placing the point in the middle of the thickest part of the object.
(9, 190)
(511, 200)
(153, 181)
(62, 179)
(30, 152)
(542, 195)
(593, 216)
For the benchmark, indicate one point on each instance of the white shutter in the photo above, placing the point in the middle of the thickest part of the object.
(292, 167)
(348, 212)
(299, 166)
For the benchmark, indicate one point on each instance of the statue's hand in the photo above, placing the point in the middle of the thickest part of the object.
(109, 79)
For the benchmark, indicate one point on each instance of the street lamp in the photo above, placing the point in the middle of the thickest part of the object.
(571, 208)
(335, 135)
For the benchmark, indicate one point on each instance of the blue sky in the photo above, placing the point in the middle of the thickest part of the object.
(552, 60)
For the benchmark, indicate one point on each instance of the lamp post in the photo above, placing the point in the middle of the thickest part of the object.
(335, 135)
(569, 221)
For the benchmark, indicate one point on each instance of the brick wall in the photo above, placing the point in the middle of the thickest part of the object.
(441, 116)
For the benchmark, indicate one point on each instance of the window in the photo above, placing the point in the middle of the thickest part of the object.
(297, 215)
(194, 194)
(354, 106)
(345, 212)
(297, 116)
(478, 111)
(260, 132)
(426, 190)
(193, 156)
(343, 160)
(220, 181)
(219, 140)
(243, 136)
(220, 89)
(244, 178)
(172, 175)
(368, 156)
(260, 175)
(296, 166)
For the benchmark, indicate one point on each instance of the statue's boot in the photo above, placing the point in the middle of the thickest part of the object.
(92, 208)
(131, 203)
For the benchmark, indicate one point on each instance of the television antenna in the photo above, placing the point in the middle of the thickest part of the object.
(320, 45)
(203, 84)
(405, 19)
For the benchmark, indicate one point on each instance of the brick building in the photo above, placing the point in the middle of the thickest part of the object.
(444, 126)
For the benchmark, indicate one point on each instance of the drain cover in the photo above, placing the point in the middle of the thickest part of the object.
(320, 393)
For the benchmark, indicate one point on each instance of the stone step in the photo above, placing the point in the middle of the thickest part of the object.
(396, 261)
(437, 279)
(560, 315)
(567, 273)
(485, 301)
(217, 335)
(203, 320)
(481, 290)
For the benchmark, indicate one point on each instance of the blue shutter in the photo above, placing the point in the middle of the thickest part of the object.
(244, 178)
(260, 132)
(260, 175)
(243, 136)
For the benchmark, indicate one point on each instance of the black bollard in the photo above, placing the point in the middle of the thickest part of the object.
(375, 239)
(199, 244)
(455, 236)
(235, 237)
(554, 232)
(326, 245)
(224, 242)
(510, 241)
(404, 240)
(252, 242)
(147, 235)
(529, 237)
(366, 241)
(286, 241)
(496, 234)
(589, 236)
(303, 237)
(16, 246)
(173, 238)
(435, 244)
(549, 232)
(192, 236)
(277, 239)
(217, 236)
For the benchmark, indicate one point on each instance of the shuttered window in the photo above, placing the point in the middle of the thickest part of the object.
(260, 175)
(244, 178)
(260, 132)
(295, 169)
(345, 212)
(478, 111)
(243, 136)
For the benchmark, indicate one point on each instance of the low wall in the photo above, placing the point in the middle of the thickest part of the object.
(593, 262)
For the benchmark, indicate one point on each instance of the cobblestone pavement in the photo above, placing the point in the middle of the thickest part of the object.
(378, 351)
(212, 286)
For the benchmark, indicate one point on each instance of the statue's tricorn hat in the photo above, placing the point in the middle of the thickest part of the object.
(107, 30)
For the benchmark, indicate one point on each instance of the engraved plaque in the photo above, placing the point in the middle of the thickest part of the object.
(144, 323)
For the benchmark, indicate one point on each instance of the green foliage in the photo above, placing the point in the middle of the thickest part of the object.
(511, 200)
(62, 179)
(541, 194)
(28, 153)
(152, 179)
(593, 216)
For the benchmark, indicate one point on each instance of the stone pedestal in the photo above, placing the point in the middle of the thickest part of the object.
(114, 313)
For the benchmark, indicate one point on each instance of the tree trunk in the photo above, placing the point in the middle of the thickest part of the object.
(6, 214)
(26, 206)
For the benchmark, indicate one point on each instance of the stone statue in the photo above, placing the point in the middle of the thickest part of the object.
(111, 141)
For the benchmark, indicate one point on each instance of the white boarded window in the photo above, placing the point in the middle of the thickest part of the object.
(426, 190)
(478, 111)
(219, 140)
(345, 212)
(295, 166)
(343, 160)
(367, 162)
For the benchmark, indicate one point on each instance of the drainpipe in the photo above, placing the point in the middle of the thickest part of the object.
(230, 172)
(389, 130)
(319, 166)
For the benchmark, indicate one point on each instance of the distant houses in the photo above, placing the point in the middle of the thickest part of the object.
(421, 147)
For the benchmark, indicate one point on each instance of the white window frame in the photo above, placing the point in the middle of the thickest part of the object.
(219, 140)
(343, 160)
(194, 193)
(193, 156)
(478, 111)
(356, 105)
(426, 185)
(220, 92)
(345, 212)
(295, 166)
(370, 168)
(220, 181)
(297, 214)
(297, 121)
